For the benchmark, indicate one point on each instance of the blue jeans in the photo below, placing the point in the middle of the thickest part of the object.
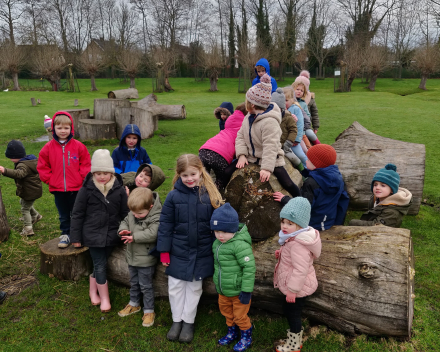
(141, 282)
(64, 202)
(300, 154)
(99, 257)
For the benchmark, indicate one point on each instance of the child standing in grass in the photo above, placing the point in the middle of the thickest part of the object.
(185, 241)
(100, 206)
(27, 181)
(139, 231)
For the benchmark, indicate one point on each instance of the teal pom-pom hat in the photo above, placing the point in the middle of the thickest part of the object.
(389, 176)
(298, 211)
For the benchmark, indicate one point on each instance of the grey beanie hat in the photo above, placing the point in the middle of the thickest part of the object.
(298, 211)
(102, 161)
(279, 98)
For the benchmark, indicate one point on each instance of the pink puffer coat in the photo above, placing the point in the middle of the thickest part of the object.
(294, 271)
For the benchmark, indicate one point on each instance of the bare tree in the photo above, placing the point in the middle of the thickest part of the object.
(213, 62)
(10, 12)
(49, 63)
(83, 22)
(91, 62)
(12, 60)
(426, 61)
(354, 55)
(32, 20)
(302, 59)
(126, 23)
(130, 61)
(60, 9)
(376, 61)
(161, 62)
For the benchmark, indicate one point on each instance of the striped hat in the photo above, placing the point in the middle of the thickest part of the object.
(261, 93)
(389, 176)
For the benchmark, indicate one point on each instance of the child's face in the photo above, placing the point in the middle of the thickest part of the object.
(15, 160)
(288, 226)
(222, 236)
(299, 91)
(381, 190)
(309, 165)
(288, 103)
(141, 213)
(142, 180)
(102, 177)
(223, 116)
(191, 177)
(260, 71)
(131, 141)
(62, 131)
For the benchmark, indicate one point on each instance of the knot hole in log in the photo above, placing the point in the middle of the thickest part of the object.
(367, 271)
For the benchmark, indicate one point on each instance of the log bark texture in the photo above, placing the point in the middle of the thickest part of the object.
(365, 275)
(163, 112)
(129, 93)
(362, 153)
(104, 109)
(93, 130)
(254, 202)
(144, 119)
(4, 225)
(65, 264)
(78, 114)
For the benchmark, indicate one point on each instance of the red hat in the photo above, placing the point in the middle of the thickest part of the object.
(322, 155)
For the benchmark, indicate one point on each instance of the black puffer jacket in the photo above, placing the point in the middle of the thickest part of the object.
(95, 218)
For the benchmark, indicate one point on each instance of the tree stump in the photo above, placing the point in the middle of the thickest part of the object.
(34, 102)
(144, 119)
(65, 264)
(91, 129)
(362, 153)
(254, 202)
(4, 225)
(104, 109)
(163, 112)
(78, 114)
(75, 103)
(129, 93)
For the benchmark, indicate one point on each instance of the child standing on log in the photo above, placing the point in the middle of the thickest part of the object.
(234, 274)
(185, 241)
(63, 164)
(100, 206)
(389, 202)
(27, 181)
(139, 232)
(294, 273)
(130, 155)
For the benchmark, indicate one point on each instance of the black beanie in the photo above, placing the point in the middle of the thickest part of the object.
(15, 150)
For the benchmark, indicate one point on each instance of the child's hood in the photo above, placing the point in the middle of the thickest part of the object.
(72, 128)
(401, 198)
(226, 108)
(328, 178)
(30, 161)
(273, 111)
(263, 62)
(157, 175)
(242, 235)
(130, 129)
(157, 207)
(309, 239)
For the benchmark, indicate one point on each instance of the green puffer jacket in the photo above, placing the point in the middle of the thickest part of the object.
(144, 232)
(234, 264)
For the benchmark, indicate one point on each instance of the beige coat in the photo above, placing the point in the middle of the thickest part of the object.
(262, 145)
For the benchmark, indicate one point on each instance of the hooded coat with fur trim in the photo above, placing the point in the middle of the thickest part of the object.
(259, 139)
(263, 62)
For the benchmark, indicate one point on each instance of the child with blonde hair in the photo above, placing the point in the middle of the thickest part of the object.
(311, 104)
(185, 241)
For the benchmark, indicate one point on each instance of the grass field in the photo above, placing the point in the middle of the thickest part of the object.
(57, 316)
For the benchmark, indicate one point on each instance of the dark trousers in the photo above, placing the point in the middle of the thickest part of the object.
(292, 311)
(64, 202)
(213, 160)
(141, 281)
(99, 257)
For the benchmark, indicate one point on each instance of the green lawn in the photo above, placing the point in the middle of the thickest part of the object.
(57, 316)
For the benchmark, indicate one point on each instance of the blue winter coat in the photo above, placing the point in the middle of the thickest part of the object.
(185, 233)
(263, 62)
(125, 160)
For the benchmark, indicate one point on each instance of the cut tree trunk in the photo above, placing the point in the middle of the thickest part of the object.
(93, 83)
(362, 153)
(213, 82)
(93, 130)
(65, 264)
(163, 112)
(365, 276)
(144, 119)
(132, 82)
(167, 85)
(4, 225)
(129, 93)
(422, 84)
(104, 109)
(78, 114)
(15, 80)
(372, 85)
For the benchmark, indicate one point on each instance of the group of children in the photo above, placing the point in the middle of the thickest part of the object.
(108, 200)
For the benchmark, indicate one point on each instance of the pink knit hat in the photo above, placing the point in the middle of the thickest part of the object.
(261, 93)
(301, 80)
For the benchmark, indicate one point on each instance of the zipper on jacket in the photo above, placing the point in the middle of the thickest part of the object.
(250, 135)
(219, 271)
(68, 158)
(64, 171)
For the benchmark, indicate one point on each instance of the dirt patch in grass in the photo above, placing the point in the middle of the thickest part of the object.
(15, 284)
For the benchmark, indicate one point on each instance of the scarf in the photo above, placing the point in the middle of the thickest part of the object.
(285, 237)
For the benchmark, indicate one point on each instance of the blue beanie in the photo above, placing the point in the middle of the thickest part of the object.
(389, 176)
(298, 211)
(225, 219)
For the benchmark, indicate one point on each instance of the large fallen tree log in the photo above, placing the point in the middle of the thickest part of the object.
(93, 130)
(365, 275)
(104, 109)
(129, 93)
(362, 153)
(4, 225)
(144, 119)
(163, 112)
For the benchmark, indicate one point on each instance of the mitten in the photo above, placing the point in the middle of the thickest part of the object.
(245, 297)
(165, 257)
(287, 145)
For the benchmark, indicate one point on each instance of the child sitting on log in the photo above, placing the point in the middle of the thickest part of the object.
(294, 273)
(324, 188)
(234, 274)
(146, 176)
(389, 202)
(311, 104)
(100, 206)
(222, 113)
(139, 232)
(129, 155)
(27, 181)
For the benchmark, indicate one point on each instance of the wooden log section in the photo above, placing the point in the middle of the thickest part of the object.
(65, 264)
(365, 275)
(129, 93)
(4, 225)
(163, 112)
(78, 114)
(144, 119)
(362, 153)
(93, 130)
(104, 109)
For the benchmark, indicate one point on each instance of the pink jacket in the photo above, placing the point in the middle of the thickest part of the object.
(294, 271)
(223, 143)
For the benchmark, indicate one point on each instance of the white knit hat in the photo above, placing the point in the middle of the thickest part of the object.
(102, 161)
(47, 121)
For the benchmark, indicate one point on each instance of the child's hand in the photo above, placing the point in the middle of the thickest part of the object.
(295, 144)
(165, 258)
(295, 117)
(2, 169)
(264, 175)
(127, 239)
(291, 297)
(77, 244)
(316, 131)
(278, 196)
(124, 232)
(242, 161)
(277, 253)
(127, 191)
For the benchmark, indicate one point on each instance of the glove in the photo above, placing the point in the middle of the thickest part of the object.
(287, 145)
(245, 297)
(165, 257)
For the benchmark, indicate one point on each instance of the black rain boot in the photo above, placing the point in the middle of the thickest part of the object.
(174, 332)
(187, 333)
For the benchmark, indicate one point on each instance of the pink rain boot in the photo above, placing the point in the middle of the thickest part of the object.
(93, 291)
(105, 299)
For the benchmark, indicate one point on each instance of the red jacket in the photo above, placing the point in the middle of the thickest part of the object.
(63, 166)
